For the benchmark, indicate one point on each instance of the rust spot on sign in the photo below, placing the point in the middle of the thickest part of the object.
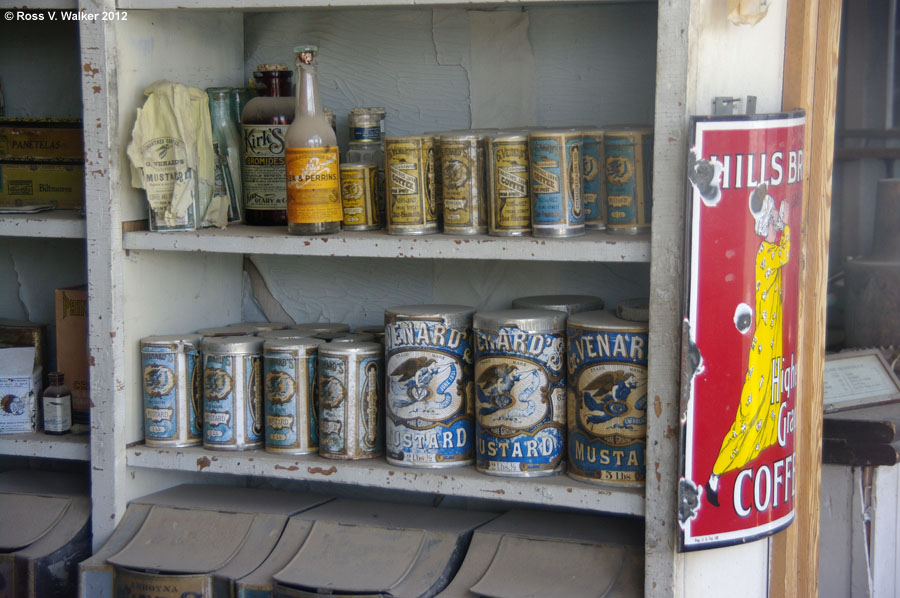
(657, 406)
(290, 468)
(202, 463)
(90, 70)
(328, 471)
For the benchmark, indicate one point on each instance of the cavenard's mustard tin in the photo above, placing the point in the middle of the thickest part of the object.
(232, 393)
(462, 173)
(571, 304)
(411, 206)
(607, 398)
(351, 400)
(359, 196)
(289, 388)
(428, 388)
(173, 390)
(520, 383)
(594, 179)
(506, 174)
(629, 169)
(557, 198)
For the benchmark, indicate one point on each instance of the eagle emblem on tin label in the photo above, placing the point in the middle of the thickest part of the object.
(613, 404)
(331, 391)
(280, 387)
(619, 170)
(509, 393)
(217, 384)
(424, 385)
(159, 380)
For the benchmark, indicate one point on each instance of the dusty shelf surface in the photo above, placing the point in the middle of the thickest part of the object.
(38, 444)
(55, 224)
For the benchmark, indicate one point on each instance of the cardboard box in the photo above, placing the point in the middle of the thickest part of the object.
(28, 183)
(20, 388)
(72, 345)
(18, 333)
(42, 139)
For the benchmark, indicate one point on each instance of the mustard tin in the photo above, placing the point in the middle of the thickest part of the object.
(291, 413)
(410, 169)
(557, 199)
(232, 393)
(506, 183)
(359, 196)
(571, 304)
(462, 174)
(172, 378)
(629, 170)
(594, 180)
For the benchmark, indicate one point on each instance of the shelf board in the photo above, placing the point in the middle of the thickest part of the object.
(56, 224)
(38, 444)
(556, 491)
(595, 246)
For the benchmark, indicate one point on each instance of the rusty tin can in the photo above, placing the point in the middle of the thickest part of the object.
(629, 174)
(506, 176)
(520, 392)
(557, 197)
(289, 388)
(462, 173)
(233, 416)
(172, 378)
(607, 398)
(351, 400)
(410, 169)
(571, 304)
(593, 176)
(359, 196)
(429, 402)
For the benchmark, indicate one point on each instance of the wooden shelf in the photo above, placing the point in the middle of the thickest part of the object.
(557, 491)
(38, 444)
(56, 224)
(595, 246)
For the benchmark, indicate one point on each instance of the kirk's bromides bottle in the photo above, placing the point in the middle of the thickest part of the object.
(311, 158)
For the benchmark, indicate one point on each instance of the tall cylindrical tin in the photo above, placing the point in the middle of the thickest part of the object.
(411, 207)
(314, 328)
(557, 198)
(232, 393)
(428, 386)
(351, 400)
(359, 196)
(462, 172)
(629, 170)
(292, 422)
(506, 174)
(571, 304)
(520, 383)
(173, 390)
(594, 179)
(607, 398)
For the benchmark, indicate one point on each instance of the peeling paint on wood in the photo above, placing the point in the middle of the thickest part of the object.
(203, 463)
(319, 470)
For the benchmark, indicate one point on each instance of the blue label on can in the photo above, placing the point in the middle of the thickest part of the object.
(608, 405)
(160, 383)
(218, 399)
(429, 394)
(254, 418)
(351, 422)
(520, 402)
(556, 180)
(290, 410)
(592, 175)
(366, 133)
(628, 180)
(332, 383)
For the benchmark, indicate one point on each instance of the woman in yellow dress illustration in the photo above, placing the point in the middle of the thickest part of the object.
(755, 426)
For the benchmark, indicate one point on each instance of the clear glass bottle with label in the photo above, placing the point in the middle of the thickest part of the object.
(57, 404)
(226, 151)
(264, 123)
(311, 157)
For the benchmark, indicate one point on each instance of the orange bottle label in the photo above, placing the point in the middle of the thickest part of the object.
(313, 185)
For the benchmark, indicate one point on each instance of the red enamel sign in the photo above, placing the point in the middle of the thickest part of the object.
(745, 197)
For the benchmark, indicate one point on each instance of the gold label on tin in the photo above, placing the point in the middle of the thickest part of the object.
(358, 196)
(619, 170)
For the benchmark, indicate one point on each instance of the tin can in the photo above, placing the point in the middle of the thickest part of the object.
(462, 173)
(629, 170)
(291, 413)
(571, 304)
(594, 180)
(314, 328)
(411, 207)
(557, 199)
(520, 392)
(438, 176)
(506, 175)
(222, 331)
(346, 337)
(351, 400)
(365, 125)
(607, 399)
(232, 393)
(634, 310)
(173, 390)
(359, 196)
(429, 402)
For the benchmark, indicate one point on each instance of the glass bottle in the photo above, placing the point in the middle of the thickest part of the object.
(311, 157)
(226, 152)
(57, 405)
(264, 124)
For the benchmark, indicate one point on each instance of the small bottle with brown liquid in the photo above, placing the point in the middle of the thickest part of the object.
(57, 405)
(311, 158)
(264, 124)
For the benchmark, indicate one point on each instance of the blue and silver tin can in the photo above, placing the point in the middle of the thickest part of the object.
(173, 390)
(428, 388)
(607, 398)
(629, 170)
(520, 396)
(557, 197)
(594, 179)
(232, 393)
(351, 400)
(289, 388)
(571, 304)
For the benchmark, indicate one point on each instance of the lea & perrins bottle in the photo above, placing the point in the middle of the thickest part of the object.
(311, 157)
(57, 403)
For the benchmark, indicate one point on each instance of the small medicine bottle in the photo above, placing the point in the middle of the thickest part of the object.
(57, 406)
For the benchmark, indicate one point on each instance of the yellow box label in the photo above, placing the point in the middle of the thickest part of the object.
(30, 183)
(313, 185)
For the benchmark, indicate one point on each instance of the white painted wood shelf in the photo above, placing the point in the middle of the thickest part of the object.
(556, 491)
(38, 444)
(55, 224)
(594, 246)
